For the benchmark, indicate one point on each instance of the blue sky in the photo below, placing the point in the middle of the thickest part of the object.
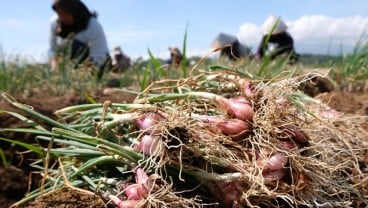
(318, 26)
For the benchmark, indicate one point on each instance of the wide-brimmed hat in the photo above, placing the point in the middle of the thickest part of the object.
(223, 39)
(273, 25)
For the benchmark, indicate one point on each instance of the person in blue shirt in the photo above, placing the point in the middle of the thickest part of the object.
(77, 29)
(276, 41)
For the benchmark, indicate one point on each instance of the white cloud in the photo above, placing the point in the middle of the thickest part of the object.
(249, 34)
(315, 33)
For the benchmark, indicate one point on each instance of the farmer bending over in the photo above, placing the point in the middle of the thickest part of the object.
(230, 46)
(76, 32)
(120, 61)
(276, 40)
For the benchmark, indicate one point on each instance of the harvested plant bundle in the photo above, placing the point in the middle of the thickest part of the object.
(215, 139)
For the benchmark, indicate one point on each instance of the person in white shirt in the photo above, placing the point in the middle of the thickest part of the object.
(77, 29)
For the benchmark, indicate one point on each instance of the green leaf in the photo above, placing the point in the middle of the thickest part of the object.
(184, 58)
(3, 158)
(145, 79)
(76, 152)
(68, 142)
(24, 119)
(25, 145)
(157, 64)
(28, 130)
(92, 162)
(30, 111)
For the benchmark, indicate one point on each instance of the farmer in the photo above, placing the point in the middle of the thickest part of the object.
(120, 62)
(276, 40)
(230, 46)
(175, 57)
(76, 31)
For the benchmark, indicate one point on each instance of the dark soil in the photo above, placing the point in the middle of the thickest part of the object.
(67, 198)
(15, 178)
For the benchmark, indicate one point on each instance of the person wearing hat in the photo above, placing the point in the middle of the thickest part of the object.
(276, 40)
(175, 57)
(231, 47)
(76, 31)
(120, 62)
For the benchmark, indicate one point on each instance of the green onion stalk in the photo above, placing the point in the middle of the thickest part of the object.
(239, 107)
(86, 152)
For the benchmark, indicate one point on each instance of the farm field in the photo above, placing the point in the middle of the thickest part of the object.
(341, 86)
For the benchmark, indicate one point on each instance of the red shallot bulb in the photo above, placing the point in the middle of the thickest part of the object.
(148, 144)
(123, 203)
(236, 108)
(292, 131)
(277, 161)
(133, 193)
(235, 128)
(148, 120)
(270, 176)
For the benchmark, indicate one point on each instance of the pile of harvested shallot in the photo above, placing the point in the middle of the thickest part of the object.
(216, 139)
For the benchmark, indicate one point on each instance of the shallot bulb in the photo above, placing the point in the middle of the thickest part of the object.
(235, 128)
(276, 162)
(289, 144)
(274, 167)
(247, 88)
(291, 131)
(140, 189)
(239, 108)
(142, 178)
(270, 176)
(135, 192)
(147, 121)
(330, 113)
(148, 144)
(123, 203)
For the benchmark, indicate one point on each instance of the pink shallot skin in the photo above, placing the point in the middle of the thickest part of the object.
(124, 203)
(140, 189)
(228, 193)
(330, 113)
(239, 108)
(274, 167)
(235, 128)
(276, 175)
(148, 144)
(148, 120)
(248, 88)
(289, 144)
(136, 191)
(293, 132)
(277, 161)
(142, 178)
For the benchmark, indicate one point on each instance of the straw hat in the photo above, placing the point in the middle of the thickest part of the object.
(275, 23)
(223, 39)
